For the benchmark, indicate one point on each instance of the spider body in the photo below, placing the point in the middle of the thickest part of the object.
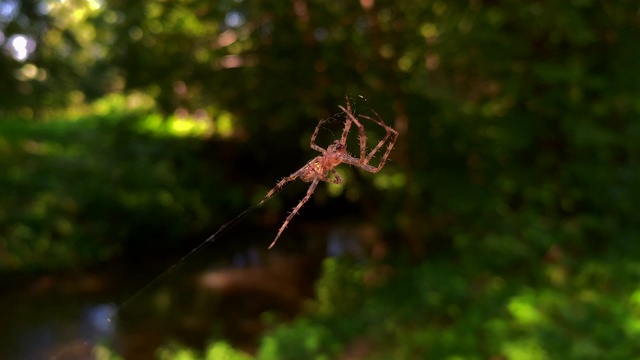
(322, 165)
(319, 168)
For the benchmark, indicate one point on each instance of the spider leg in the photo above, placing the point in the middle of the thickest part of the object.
(363, 162)
(391, 133)
(362, 135)
(295, 210)
(281, 183)
(347, 123)
(338, 179)
(314, 146)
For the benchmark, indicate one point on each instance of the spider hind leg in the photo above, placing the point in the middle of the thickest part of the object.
(295, 210)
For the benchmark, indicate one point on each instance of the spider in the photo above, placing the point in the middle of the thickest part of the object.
(319, 167)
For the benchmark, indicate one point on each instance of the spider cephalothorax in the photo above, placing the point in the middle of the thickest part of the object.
(319, 167)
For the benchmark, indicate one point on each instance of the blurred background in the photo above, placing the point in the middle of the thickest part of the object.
(505, 225)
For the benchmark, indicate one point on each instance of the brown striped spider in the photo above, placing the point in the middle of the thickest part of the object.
(319, 167)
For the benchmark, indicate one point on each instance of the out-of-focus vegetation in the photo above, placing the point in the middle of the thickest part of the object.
(443, 310)
(86, 189)
(512, 191)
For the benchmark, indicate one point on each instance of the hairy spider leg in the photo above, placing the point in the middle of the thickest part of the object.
(362, 135)
(391, 133)
(283, 182)
(363, 162)
(314, 146)
(295, 210)
(338, 179)
(347, 126)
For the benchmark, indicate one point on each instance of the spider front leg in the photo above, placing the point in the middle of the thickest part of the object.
(295, 210)
(314, 146)
(362, 135)
(391, 133)
(282, 183)
(363, 161)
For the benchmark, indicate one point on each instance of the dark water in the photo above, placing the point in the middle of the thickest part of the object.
(214, 294)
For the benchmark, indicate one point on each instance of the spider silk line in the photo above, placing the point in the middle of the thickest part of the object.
(165, 274)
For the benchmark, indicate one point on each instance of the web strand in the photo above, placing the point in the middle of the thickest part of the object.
(227, 226)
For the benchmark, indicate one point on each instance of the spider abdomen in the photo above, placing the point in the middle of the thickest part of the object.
(317, 168)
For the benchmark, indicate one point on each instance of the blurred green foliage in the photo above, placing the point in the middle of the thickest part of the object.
(87, 189)
(442, 309)
(513, 185)
(215, 351)
(446, 310)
